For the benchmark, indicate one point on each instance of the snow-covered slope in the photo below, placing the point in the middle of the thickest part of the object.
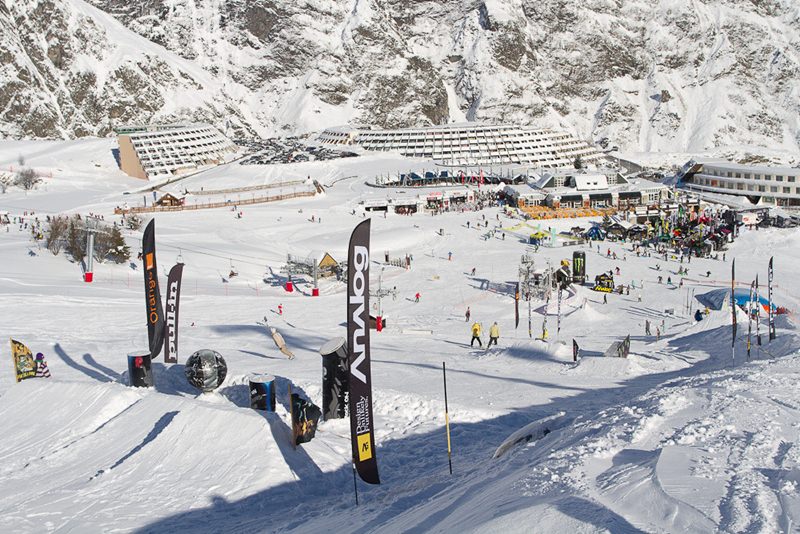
(678, 437)
(639, 74)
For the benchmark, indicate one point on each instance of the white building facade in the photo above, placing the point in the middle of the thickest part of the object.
(166, 150)
(472, 144)
(778, 186)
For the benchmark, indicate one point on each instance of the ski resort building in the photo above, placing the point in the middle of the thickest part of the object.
(472, 144)
(759, 184)
(159, 151)
(587, 190)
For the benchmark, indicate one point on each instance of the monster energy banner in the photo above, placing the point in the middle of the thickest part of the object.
(155, 313)
(516, 307)
(24, 364)
(173, 303)
(578, 267)
(362, 432)
(305, 417)
(769, 298)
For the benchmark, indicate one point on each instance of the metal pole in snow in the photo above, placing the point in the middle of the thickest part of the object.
(447, 419)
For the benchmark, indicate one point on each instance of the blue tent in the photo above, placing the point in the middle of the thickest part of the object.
(595, 232)
(716, 299)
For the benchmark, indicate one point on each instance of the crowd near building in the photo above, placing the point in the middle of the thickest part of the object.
(471, 144)
(160, 151)
(575, 189)
(759, 184)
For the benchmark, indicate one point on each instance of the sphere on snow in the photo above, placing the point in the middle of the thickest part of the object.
(206, 370)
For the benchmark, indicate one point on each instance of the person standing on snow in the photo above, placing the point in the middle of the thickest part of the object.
(416, 297)
(476, 334)
(467, 314)
(494, 333)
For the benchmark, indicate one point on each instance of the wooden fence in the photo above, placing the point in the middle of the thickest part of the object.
(247, 188)
(211, 205)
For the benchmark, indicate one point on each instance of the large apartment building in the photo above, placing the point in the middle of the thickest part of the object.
(159, 151)
(778, 186)
(471, 144)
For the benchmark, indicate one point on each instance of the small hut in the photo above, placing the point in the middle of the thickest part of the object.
(169, 200)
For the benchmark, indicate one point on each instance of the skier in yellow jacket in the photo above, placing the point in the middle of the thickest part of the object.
(494, 333)
(476, 334)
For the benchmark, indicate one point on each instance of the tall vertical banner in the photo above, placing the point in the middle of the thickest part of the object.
(758, 315)
(155, 312)
(770, 312)
(750, 317)
(733, 310)
(516, 307)
(558, 317)
(362, 433)
(171, 317)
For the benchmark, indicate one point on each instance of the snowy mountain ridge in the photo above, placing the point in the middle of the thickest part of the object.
(644, 75)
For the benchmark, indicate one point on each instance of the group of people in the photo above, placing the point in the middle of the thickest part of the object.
(477, 329)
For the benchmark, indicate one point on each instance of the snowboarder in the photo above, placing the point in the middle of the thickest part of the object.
(669, 280)
(476, 334)
(647, 327)
(416, 297)
(467, 314)
(698, 315)
(494, 333)
(473, 271)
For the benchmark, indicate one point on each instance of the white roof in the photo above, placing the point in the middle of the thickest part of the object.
(590, 182)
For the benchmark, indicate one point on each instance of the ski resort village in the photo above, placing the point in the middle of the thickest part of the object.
(399, 267)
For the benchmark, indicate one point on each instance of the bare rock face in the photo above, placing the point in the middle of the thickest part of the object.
(639, 74)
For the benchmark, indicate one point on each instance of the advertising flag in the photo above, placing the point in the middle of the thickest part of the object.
(362, 431)
(733, 304)
(24, 364)
(155, 312)
(171, 316)
(758, 315)
(750, 317)
(769, 298)
(305, 416)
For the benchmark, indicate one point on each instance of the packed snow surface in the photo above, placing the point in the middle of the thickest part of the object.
(678, 437)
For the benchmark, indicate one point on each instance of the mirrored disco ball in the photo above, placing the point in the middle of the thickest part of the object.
(206, 370)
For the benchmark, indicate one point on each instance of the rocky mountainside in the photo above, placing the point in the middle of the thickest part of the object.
(673, 75)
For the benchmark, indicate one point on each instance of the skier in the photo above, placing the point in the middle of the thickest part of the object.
(494, 333)
(280, 309)
(416, 297)
(476, 334)
(473, 271)
(467, 314)
(605, 298)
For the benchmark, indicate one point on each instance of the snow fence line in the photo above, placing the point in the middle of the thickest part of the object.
(532, 432)
(213, 205)
(417, 331)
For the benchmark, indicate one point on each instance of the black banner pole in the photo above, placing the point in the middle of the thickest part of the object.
(447, 419)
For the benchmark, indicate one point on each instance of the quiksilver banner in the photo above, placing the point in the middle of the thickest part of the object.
(155, 312)
(362, 433)
(171, 315)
